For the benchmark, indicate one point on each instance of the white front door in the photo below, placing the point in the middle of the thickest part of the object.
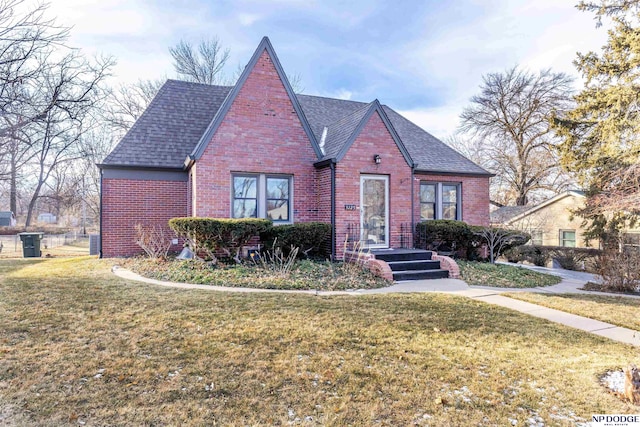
(374, 211)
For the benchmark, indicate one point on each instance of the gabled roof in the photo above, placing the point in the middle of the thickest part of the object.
(427, 152)
(339, 132)
(265, 45)
(510, 214)
(183, 117)
(342, 134)
(170, 126)
(505, 213)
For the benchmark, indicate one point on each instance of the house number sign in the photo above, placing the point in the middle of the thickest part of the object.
(349, 207)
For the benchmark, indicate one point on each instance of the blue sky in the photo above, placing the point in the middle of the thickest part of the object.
(422, 58)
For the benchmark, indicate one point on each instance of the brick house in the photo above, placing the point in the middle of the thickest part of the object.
(259, 150)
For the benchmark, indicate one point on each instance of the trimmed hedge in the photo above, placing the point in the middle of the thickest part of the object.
(311, 238)
(213, 235)
(568, 258)
(445, 235)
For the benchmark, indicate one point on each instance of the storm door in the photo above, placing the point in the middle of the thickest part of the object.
(374, 211)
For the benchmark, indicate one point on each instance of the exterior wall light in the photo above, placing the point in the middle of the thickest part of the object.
(377, 159)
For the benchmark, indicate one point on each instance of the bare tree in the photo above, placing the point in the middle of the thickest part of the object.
(27, 40)
(127, 102)
(204, 65)
(499, 240)
(55, 139)
(511, 117)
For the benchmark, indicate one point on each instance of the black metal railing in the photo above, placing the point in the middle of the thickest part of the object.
(406, 236)
(352, 235)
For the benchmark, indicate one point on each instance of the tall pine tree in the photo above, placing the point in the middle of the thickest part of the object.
(602, 133)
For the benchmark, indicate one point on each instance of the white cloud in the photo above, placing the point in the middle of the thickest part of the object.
(248, 19)
(339, 94)
(441, 122)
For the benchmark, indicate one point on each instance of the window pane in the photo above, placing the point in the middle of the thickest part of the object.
(278, 210)
(244, 208)
(427, 211)
(427, 193)
(244, 187)
(568, 239)
(536, 237)
(449, 211)
(277, 188)
(449, 193)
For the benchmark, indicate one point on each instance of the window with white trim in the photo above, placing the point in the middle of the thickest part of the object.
(262, 196)
(568, 238)
(536, 237)
(440, 200)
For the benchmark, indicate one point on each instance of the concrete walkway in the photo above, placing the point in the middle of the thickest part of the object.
(490, 295)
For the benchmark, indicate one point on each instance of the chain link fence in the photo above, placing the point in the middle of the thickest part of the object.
(68, 244)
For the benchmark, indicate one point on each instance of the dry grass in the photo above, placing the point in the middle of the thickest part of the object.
(620, 311)
(81, 345)
(503, 276)
(13, 249)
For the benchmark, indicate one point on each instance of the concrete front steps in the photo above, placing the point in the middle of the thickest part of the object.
(411, 264)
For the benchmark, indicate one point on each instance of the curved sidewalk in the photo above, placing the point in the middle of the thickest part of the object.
(450, 286)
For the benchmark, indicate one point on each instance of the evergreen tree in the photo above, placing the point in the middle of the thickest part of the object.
(602, 133)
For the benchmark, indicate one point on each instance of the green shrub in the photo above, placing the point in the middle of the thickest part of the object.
(215, 235)
(573, 258)
(499, 240)
(445, 235)
(536, 255)
(311, 238)
(567, 258)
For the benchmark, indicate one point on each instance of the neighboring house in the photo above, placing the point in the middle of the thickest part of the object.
(47, 218)
(550, 223)
(256, 149)
(7, 219)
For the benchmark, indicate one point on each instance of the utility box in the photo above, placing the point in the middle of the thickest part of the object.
(31, 244)
(94, 244)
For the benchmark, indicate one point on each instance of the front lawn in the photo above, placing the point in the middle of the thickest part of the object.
(503, 276)
(305, 274)
(620, 311)
(81, 346)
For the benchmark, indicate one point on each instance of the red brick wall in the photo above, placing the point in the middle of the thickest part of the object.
(374, 139)
(126, 203)
(475, 196)
(261, 133)
(323, 194)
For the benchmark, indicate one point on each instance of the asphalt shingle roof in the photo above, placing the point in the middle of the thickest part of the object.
(505, 213)
(176, 119)
(170, 127)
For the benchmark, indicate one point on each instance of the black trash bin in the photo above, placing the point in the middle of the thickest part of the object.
(31, 244)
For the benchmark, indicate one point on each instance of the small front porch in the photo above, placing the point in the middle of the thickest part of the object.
(399, 263)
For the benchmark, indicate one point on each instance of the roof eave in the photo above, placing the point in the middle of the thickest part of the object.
(454, 173)
(140, 167)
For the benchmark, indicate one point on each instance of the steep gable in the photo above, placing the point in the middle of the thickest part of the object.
(262, 57)
(374, 109)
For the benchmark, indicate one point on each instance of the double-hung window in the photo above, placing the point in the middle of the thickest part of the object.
(245, 196)
(427, 201)
(440, 200)
(537, 237)
(262, 196)
(568, 238)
